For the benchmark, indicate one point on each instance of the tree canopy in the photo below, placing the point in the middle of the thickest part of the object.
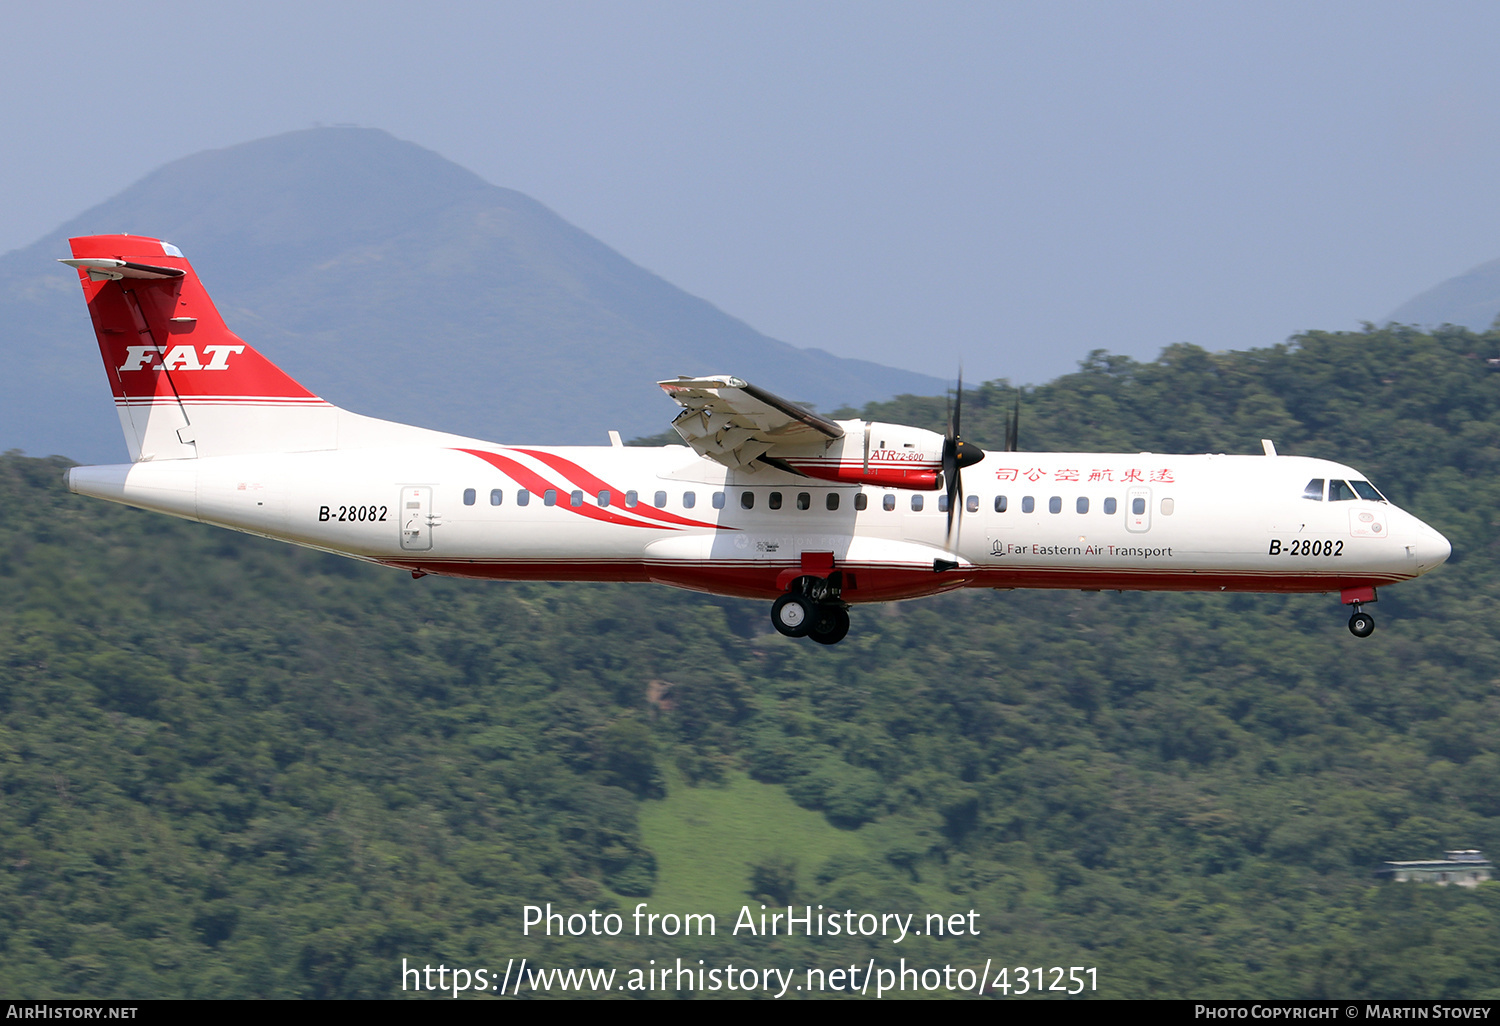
(235, 768)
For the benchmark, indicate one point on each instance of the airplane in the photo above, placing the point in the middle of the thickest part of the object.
(766, 499)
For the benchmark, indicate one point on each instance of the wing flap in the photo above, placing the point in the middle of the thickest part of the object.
(735, 423)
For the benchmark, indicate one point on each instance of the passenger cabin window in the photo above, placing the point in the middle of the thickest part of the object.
(1339, 491)
(689, 500)
(888, 502)
(523, 498)
(747, 500)
(632, 497)
(1110, 505)
(468, 496)
(1137, 506)
(496, 496)
(1082, 505)
(832, 502)
(660, 499)
(804, 500)
(1314, 490)
(549, 497)
(774, 501)
(603, 496)
(943, 503)
(972, 504)
(718, 500)
(1054, 504)
(1001, 504)
(575, 498)
(1167, 506)
(861, 501)
(1028, 504)
(916, 504)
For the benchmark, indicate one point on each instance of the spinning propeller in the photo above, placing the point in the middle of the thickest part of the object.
(957, 454)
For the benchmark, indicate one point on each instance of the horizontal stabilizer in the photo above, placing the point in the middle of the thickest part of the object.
(105, 269)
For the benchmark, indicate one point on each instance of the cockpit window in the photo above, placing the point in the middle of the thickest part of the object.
(1367, 491)
(1314, 490)
(1339, 491)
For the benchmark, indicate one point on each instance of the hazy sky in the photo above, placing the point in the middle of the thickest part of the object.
(1009, 184)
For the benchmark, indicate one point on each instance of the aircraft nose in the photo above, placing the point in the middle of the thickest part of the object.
(1430, 547)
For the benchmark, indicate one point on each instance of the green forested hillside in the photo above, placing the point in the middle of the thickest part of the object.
(234, 768)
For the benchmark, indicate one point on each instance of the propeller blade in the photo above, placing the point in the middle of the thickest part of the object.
(1013, 429)
(957, 454)
(954, 486)
(958, 403)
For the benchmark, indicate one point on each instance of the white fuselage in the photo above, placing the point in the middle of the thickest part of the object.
(1069, 520)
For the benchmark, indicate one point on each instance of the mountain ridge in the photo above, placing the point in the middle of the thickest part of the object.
(1470, 300)
(391, 281)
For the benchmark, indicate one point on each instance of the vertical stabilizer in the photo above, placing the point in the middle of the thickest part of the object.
(184, 384)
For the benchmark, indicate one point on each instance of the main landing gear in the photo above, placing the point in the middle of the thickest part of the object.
(811, 608)
(1361, 624)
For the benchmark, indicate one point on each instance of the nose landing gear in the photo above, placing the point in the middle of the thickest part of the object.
(1361, 624)
(812, 608)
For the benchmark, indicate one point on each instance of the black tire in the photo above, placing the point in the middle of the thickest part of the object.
(793, 615)
(1361, 625)
(832, 625)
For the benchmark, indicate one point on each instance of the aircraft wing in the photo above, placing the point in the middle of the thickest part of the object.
(735, 423)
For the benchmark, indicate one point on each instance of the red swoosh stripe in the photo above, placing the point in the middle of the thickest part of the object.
(573, 472)
(538, 484)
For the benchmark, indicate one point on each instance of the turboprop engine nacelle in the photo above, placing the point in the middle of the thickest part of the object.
(890, 455)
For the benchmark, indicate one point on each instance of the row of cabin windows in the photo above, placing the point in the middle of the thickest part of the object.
(604, 498)
(1080, 505)
(804, 500)
(689, 499)
(1055, 504)
(831, 502)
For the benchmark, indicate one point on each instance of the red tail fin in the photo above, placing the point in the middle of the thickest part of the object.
(180, 377)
